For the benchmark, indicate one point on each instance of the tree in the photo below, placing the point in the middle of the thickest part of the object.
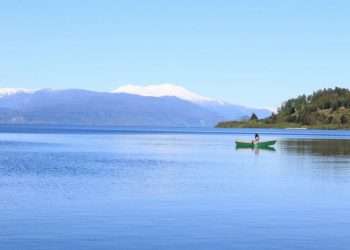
(254, 117)
(344, 119)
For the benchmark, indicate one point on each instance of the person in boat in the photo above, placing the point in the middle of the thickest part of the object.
(256, 139)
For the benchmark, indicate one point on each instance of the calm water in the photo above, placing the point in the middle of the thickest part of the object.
(100, 188)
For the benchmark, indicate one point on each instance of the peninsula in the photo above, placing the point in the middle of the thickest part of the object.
(324, 109)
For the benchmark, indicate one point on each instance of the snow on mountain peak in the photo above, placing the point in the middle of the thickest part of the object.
(163, 90)
(12, 91)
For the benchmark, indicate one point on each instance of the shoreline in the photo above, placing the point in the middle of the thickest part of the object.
(288, 126)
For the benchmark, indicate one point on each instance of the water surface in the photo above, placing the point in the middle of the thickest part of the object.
(142, 188)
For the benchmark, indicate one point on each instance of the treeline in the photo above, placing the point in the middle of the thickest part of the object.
(322, 106)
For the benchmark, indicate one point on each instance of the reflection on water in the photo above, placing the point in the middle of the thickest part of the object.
(256, 151)
(172, 191)
(317, 147)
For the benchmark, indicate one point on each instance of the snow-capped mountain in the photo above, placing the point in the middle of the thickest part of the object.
(82, 107)
(225, 109)
(164, 105)
(163, 90)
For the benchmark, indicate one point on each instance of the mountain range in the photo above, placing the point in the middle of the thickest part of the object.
(130, 105)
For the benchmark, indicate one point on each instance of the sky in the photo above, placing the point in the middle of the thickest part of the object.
(255, 53)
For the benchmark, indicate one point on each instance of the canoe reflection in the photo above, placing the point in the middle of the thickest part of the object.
(256, 150)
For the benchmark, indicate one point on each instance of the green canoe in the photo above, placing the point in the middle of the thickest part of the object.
(264, 144)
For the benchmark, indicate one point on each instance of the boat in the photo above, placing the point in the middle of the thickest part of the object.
(264, 144)
(296, 128)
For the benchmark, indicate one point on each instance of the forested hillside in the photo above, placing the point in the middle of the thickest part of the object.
(326, 108)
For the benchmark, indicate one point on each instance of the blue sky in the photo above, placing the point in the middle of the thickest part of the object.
(256, 53)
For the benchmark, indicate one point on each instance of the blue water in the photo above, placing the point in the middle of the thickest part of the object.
(143, 188)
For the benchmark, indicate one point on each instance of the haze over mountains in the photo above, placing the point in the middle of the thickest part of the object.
(154, 105)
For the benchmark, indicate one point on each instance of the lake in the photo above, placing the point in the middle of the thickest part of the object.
(163, 188)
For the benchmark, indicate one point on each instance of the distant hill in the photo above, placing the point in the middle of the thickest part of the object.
(82, 107)
(326, 108)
